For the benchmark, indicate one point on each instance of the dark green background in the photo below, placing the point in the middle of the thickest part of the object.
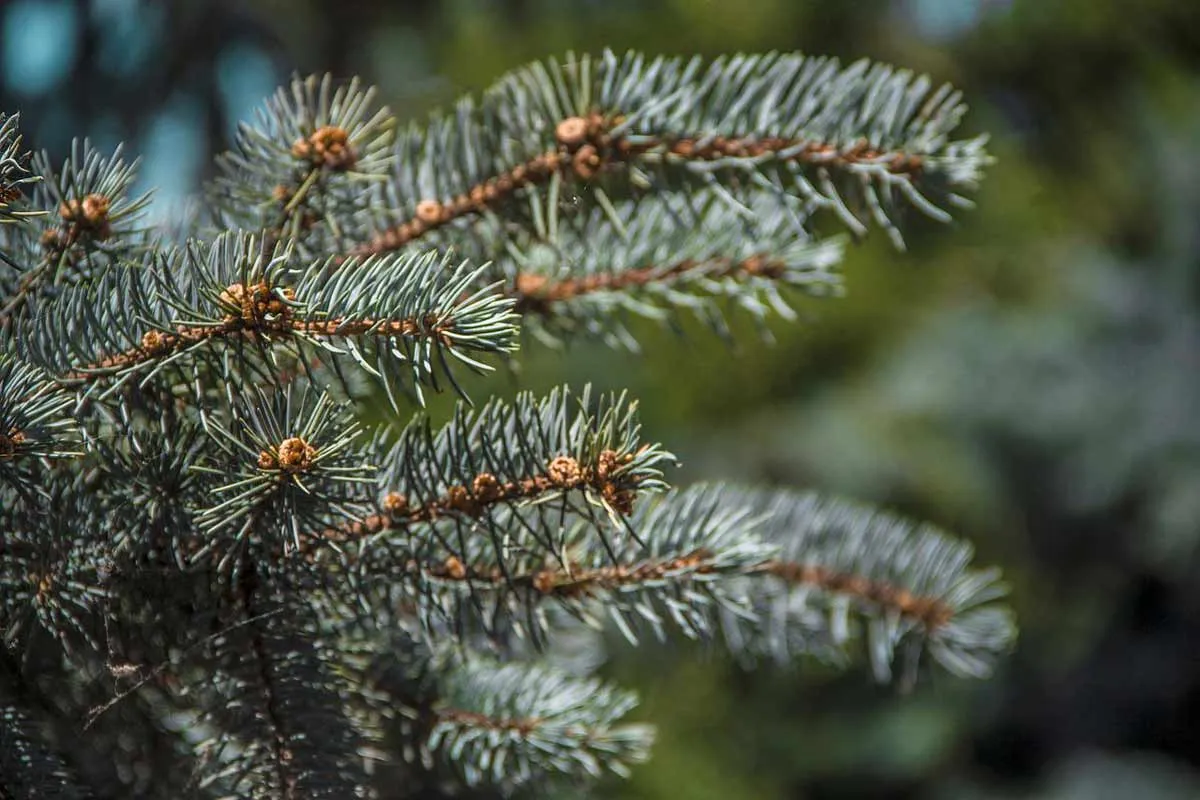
(1028, 377)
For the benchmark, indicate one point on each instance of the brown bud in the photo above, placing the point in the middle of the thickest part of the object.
(153, 341)
(564, 471)
(89, 214)
(459, 499)
(94, 209)
(302, 149)
(252, 303)
(395, 503)
(607, 463)
(233, 297)
(328, 146)
(586, 162)
(485, 487)
(295, 455)
(90, 211)
(571, 132)
(429, 212)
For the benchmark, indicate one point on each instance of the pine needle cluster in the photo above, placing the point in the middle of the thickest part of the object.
(215, 583)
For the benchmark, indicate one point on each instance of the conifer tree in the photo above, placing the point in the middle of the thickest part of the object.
(215, 582)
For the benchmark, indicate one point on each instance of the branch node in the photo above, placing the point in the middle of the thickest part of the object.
(486, 488)
(328, 146)
(89, 214)
(565, 472)
(572, 132)
(587, 162)
(293, 455)
(253, 304)
(430, 212)
(395, 504)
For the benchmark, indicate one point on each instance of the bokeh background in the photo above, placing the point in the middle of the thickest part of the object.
(1028, 377)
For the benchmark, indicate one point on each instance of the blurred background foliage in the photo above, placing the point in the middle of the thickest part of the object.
(1028, 377)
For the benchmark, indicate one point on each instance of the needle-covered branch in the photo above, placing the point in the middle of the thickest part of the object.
(35, 423)
(274, 725)
(87, 223)
(510, 725)
(302, 170)
(712, 254)
(775, 574)
(557, 454)
(89, 206)
(15, 176)
(285, 465)
(907, 589)
(865, 141)
(52, 569)
(475, 726)
(398, 317)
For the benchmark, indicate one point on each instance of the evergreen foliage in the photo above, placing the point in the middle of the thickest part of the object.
(216, 584)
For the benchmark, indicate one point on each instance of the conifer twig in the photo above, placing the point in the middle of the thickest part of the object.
(485, 491)
(589, 146)
(537, 294)
(576, 582)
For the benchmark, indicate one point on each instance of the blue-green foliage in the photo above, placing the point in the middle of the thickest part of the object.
(283, 606)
